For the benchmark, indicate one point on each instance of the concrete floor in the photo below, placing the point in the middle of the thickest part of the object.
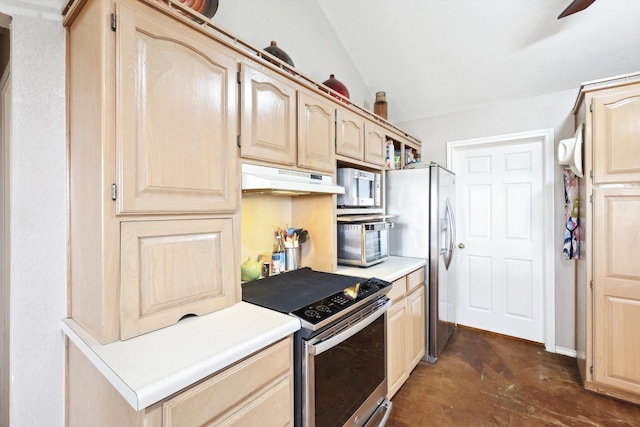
(484, 379)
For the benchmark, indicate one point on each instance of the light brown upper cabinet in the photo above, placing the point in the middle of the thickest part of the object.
(360, 139)
(616, 128)
(282, 124)
(350, 134)
(374, 144)
(316, 132)
(268, 116)
(152, 140)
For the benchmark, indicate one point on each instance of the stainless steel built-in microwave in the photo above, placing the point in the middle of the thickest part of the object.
(361, 188)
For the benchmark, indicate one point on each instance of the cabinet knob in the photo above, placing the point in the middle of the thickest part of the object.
(461, 245)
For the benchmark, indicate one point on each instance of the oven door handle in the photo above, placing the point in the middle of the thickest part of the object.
(322, 346)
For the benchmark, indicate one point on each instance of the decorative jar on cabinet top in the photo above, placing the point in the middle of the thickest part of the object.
(337, 86)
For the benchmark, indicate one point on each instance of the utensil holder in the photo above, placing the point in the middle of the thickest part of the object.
(292, 258)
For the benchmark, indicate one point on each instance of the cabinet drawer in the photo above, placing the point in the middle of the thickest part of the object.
(415, 279)
(276, 405)
(254, 388)
(399, 289)
(173, 268)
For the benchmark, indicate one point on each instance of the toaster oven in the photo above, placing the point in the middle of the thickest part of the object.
(363, 244)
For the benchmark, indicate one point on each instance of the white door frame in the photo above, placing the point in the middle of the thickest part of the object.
(5, 141)
(546, 135)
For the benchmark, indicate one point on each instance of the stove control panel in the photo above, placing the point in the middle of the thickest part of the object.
(327, 310)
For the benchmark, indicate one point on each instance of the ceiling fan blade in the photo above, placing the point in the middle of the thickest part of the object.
(575, 6)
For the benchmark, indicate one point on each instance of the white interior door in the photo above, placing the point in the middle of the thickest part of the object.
(500, 228)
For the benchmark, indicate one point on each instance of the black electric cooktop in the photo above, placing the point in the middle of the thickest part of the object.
(315, 297)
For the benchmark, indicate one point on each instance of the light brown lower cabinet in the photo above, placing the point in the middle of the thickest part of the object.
(405, 329)
(247, 393)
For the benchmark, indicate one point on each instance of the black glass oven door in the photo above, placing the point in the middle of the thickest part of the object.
(340, 378)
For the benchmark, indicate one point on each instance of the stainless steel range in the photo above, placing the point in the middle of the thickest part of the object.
(339, 354)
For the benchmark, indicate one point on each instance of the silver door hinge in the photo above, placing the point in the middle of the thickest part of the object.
(591, 173)
(238, 77)
(590, 198)
(591, 285)
(591, 370)
(591, 111)
(114, 22)
(114, 191)
(239, 141)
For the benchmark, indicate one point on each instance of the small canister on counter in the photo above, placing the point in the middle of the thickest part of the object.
(265, 260)
(278, 257)
(277, 263)
(292, 256)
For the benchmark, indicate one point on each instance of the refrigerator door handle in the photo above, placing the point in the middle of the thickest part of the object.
(452, 219)
(449, 235)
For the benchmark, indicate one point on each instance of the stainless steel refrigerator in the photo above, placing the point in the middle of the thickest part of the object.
(423, 202)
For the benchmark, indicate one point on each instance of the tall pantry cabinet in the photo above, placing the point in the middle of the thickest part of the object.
(154, 194)
(608, 272)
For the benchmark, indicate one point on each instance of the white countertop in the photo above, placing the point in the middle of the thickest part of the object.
(151, 367)
(391, 269)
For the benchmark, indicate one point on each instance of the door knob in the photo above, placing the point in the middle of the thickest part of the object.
(461, 245)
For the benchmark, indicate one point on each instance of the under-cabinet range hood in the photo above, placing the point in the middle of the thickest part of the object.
(286, 182)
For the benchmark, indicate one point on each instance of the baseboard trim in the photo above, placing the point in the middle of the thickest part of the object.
(566, 351)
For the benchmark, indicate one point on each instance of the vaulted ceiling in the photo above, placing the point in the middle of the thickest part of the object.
(433, 57)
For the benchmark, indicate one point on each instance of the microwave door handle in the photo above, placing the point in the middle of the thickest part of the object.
(370, 196)
(325, 345)
(376, 190)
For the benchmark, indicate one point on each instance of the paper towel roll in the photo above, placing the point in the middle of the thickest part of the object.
(575, 161)
(565, 150)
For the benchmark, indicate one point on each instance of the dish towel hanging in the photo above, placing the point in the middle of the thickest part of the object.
(571, 245)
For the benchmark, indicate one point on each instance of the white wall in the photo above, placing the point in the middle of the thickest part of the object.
(37, 220)
(541, 112)
(300, 29)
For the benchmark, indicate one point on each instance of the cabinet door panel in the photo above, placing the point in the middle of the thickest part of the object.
(374, 144)
(268, 117)
(416, 325)
(174, 268)
(396, 347)
(616, 288)
(316, 133)
(176, 117)
(616, 128)
(349, 134)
